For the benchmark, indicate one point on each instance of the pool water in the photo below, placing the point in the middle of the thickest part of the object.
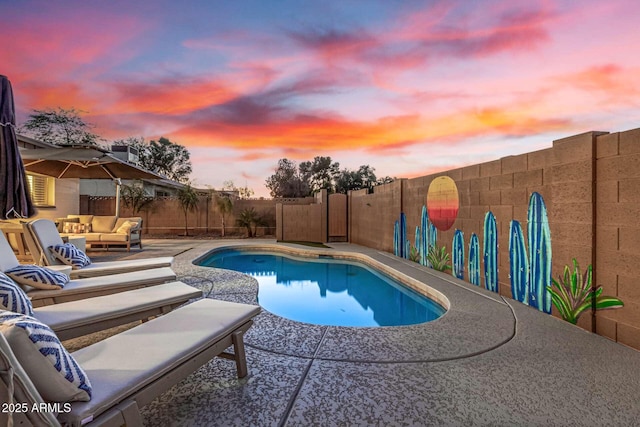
(327, 292)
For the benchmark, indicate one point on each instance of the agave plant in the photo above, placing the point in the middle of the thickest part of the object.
(438, 258)
(572, 294)
(414, 254)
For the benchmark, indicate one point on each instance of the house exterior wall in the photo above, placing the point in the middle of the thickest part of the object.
(66, 200)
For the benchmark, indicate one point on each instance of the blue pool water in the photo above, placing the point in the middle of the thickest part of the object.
(326, 291)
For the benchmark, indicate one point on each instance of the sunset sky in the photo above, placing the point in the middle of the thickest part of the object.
(408, 87)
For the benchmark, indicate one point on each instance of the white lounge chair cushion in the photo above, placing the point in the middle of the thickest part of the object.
(121, 266)
(68, 254)
(60, 378)
(37, 277)
(105, 284)
(125, 363)
(100, 309)
(13, 298)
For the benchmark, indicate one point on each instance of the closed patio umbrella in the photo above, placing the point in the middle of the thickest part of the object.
(14, 194)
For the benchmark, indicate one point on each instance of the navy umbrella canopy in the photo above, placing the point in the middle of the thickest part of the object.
(15, 201)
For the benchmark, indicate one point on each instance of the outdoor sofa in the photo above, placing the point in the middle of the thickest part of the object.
(128, 370)
(103, 230)
(42, 234)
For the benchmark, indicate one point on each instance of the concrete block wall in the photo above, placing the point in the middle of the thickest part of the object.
(618, 233)
(165, 216)
(370, 214)
(589, 183)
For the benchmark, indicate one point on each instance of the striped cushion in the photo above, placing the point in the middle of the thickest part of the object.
(70, 255)
(13, 298)
(59, 380)
(37, 277)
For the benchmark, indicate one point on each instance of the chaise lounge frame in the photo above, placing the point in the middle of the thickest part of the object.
(226, 324)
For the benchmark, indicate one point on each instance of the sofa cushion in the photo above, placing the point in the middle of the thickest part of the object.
(54, 372)
(37, 277)
(70, 255)
(13, 298)
(103, 224)
(114, 237)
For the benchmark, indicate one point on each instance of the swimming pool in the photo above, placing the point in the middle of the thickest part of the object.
(326, 291)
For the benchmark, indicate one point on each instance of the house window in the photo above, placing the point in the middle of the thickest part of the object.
(41, 189)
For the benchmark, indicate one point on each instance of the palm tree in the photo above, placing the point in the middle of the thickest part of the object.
(225, 206)
(188, 199)
(134, 197)
(249, 218)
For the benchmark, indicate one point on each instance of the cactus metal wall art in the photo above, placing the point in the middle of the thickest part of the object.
(457, 249)
(401, 246)
(429, 236)
(539, 239)
(396, 238)
(518, 263)
(474, 260)
(490, 250)
(424, 231)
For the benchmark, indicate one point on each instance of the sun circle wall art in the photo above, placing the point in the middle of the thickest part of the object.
(443, 202)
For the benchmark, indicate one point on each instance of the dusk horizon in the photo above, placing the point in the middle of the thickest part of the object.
(409, 88)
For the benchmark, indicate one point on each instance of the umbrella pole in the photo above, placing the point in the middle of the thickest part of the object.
(118, 184)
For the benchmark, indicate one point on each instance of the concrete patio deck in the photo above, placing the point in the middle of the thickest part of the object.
(488, 361)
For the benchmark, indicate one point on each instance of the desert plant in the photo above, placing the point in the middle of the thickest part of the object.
(414, 254)
(134, 197)
(188, 199)
(225, 206)
(249, 219)
(573, 295)
(439, 258)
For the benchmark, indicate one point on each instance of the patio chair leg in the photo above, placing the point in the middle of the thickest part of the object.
(240, 357)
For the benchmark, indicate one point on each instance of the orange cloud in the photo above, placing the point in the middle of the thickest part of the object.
(614, 80)
(303, 134)
(170, 96)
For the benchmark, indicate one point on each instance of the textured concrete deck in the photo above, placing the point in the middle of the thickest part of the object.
(488, 361)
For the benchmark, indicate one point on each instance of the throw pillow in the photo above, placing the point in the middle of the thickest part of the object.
(126, 226)
(70, 255)
(62, 221)
(13, 298)
(76, 228)
(53, 371)
(37, 277)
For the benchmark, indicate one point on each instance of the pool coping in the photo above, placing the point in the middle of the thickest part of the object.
(453, 336)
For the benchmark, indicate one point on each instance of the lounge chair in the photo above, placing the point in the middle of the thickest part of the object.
(89, 287)
(130, 369)
(41, 234)
(77, 318)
